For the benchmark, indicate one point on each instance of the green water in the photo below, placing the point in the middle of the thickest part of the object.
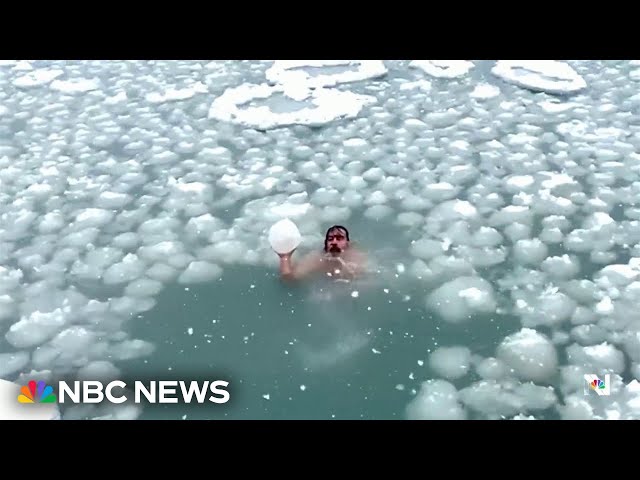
(314, 349)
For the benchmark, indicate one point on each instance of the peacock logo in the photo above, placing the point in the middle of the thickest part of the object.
(37, 393)
(593, 383)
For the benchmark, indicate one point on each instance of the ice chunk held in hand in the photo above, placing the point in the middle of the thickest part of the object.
(284, 236)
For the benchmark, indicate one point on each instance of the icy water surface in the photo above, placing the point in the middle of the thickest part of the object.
(497, 201)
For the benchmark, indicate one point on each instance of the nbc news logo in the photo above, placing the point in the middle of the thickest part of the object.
(592, 383)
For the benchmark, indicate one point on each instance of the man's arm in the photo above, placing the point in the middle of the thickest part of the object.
(307, 266)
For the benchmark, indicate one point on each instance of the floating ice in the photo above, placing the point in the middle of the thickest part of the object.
(113, 200)
(159, 252)
(76, 85)
(485, 91)
(441, 269)
(491, 368)
(618, 275)
(501, 399)
(510, 215)
(632, 345)
(92, 217)
(10, 363)
(550, 307)
(293, 71)
(589, 334)
(321, 106)
(458, 300)
(225, 251)
(36, 78)
(200, 272)
(529, 252)
(623, 403)
(129, 306)
(451, 362)
(126, 241)
(553, 107)
(486, 237)
(563, 267)
(441, 191)
(190, 190)
(453, 210)
(103, 257)
(125, 271)
(529, 354)
(598, 221)
(176, 94)
(436, 400)
(582, 316)
(546, 75)
(130, 349)
(378, 212)
(143, 287)
(99, 370)
(426, 248)
(598, 358)
(203, 226)
(9, 279)
(7, 307)
(376, 198)
(18, 223)
(72, 345)
(423, 85)
(36, 328)
(443, 68)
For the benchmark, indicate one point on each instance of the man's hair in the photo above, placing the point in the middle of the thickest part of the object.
(331, 229)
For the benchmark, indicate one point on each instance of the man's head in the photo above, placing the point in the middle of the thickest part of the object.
(336, 241)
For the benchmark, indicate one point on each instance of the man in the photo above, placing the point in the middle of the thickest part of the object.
(339, 260)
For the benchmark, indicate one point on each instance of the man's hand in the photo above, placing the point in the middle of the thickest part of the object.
(286, 255)
(286, 269)
(308, 265)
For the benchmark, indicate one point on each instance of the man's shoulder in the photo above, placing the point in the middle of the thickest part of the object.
(357, 254)
(312, 257)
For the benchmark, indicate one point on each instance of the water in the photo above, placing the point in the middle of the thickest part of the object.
(350, 354)
(137, 197)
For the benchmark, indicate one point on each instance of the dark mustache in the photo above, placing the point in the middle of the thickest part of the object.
(334, 248)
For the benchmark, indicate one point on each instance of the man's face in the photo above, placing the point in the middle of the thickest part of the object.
(337, 242)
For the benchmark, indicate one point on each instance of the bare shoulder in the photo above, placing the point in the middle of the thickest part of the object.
(308, 264)
(358, 262)
(311, 257)
(357, 255)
